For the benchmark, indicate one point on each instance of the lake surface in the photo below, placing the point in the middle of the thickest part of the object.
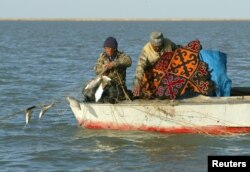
(42, 62)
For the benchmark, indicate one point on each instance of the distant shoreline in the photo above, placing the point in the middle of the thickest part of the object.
(122, 19)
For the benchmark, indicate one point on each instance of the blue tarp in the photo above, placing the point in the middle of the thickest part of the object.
(217, 63)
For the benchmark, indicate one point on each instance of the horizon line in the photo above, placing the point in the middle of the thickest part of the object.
(124, 19)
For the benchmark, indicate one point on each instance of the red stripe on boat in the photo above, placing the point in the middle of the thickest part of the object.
(175, 130)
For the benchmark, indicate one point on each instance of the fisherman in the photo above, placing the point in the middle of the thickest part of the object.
(113, 63)
(150, 54)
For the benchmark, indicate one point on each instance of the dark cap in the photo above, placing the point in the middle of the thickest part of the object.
(111, 43)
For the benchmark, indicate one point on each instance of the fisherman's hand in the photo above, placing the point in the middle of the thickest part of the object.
(136, 91)
(110, 65)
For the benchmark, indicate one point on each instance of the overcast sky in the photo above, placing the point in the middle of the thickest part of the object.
(236, 9)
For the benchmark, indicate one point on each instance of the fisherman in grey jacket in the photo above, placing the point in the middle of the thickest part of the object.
(113, 64)
(151, 52)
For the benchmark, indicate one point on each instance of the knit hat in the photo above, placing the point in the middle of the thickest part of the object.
(156, 38)
(111, 43)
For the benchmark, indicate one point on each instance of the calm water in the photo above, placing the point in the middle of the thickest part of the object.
(42, 62)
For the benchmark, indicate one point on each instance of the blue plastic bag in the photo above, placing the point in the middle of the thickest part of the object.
(217, 63)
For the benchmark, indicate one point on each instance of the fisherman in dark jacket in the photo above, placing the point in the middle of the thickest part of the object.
(113, 64)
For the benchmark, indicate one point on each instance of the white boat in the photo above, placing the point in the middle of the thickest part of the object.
(201, 114)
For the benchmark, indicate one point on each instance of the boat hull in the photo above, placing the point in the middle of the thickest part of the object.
(197, 115)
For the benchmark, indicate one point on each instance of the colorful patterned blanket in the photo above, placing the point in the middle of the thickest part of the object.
(177, 73)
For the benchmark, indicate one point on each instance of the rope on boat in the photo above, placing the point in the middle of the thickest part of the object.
(123, 90)
(211, 118)
(184, 123)
(180, 122)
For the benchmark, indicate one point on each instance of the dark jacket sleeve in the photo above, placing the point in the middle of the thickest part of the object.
(100, 65)
(123, 61)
